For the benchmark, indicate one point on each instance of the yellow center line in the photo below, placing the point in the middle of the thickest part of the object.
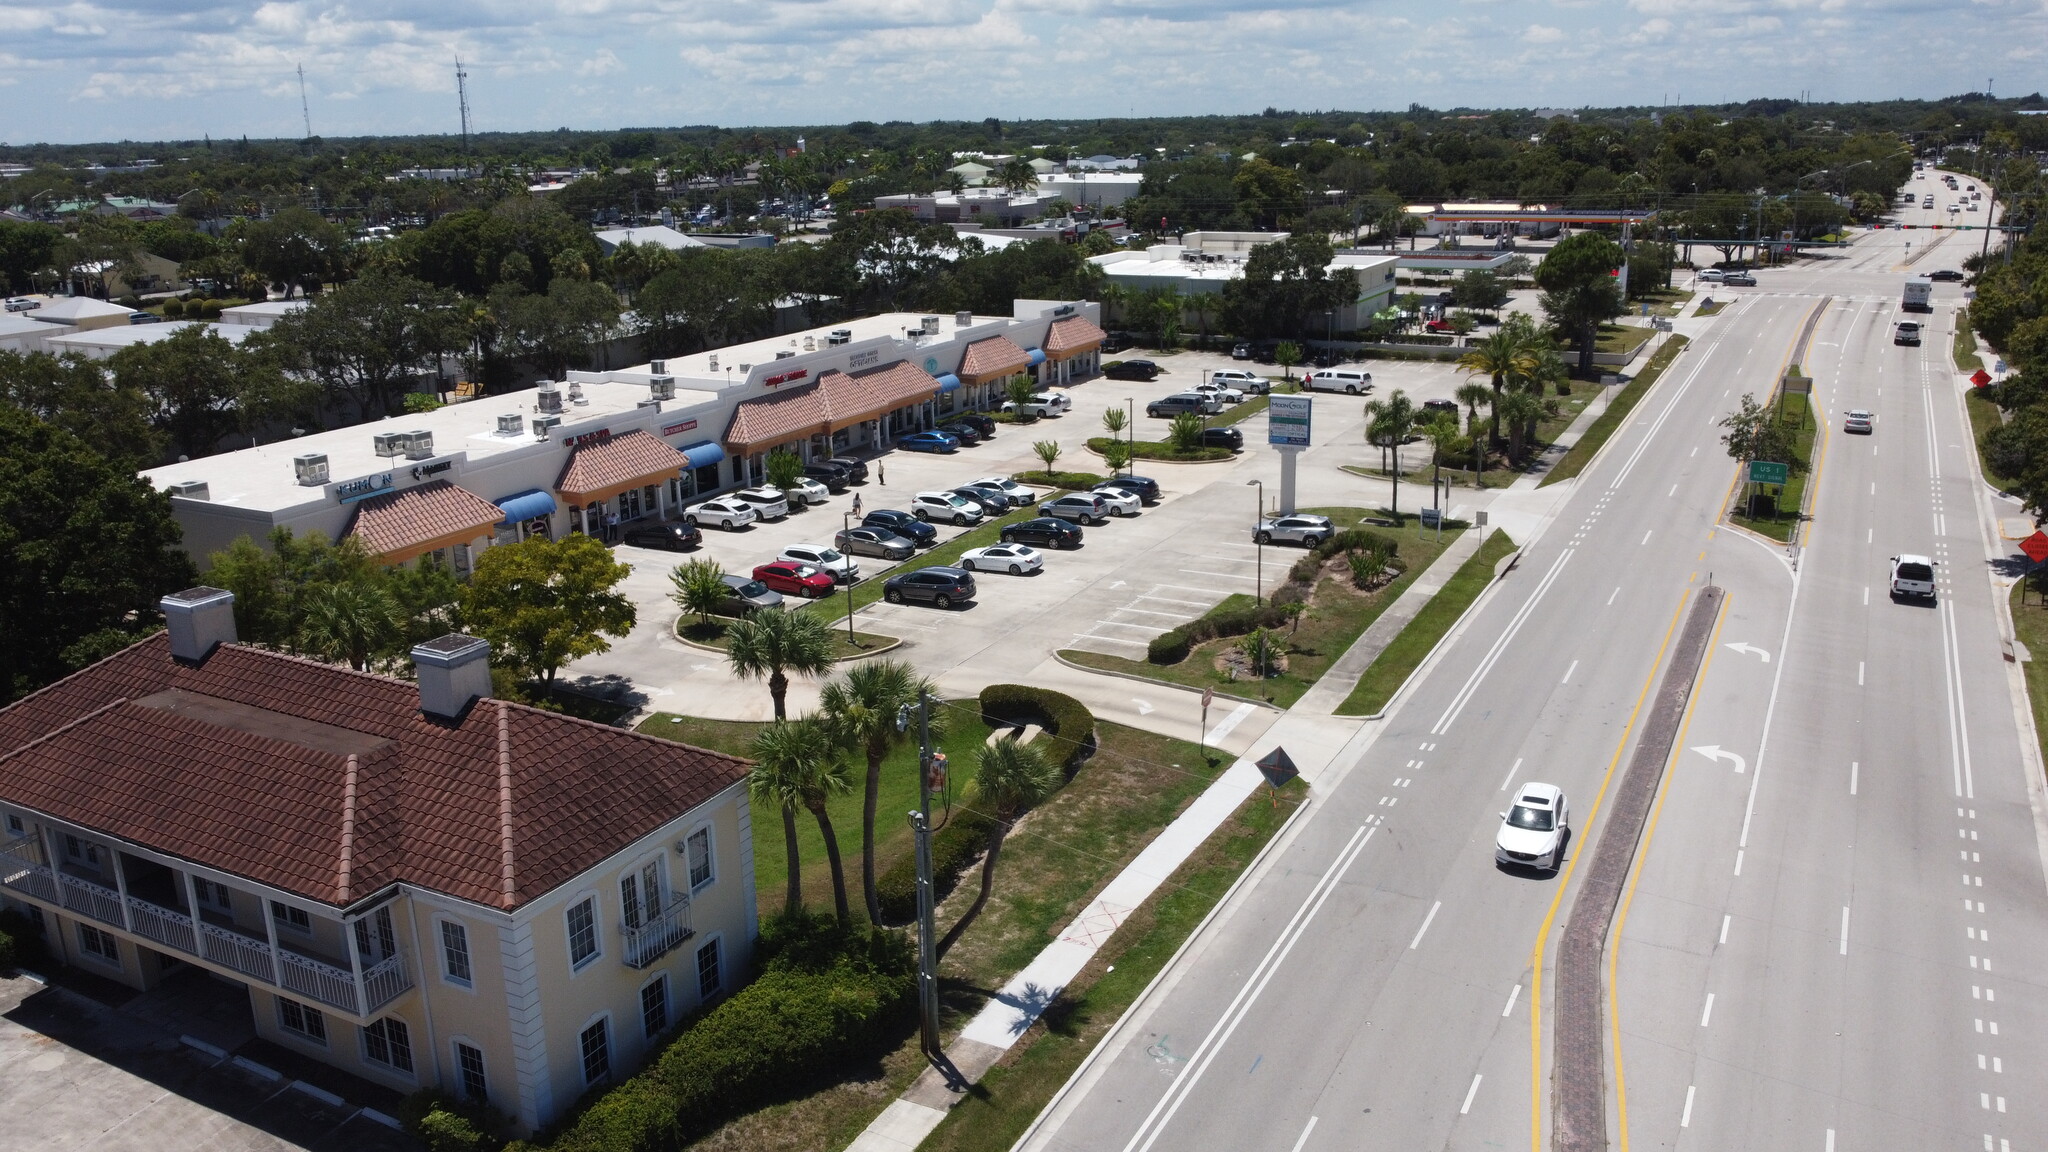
(1564, 881)
(1642, 858)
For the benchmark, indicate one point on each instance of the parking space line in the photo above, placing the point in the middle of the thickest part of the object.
(1121, 624)
(1171, 600)
(1150, 612)
(1220, 575)
(1109, 639)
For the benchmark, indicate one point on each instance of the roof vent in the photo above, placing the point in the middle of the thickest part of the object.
(454, 671)
(311, 469)
(714, 361)
(199, 619)
(190, 489)
(962, 319)
(388, 443)
(419, 444)
(931, 325)
(810, 343)
(576, 395)
(839, 336)
(658, 367)
(510, 423)
(783, 354)
(662, 387)
(548, 398)
(542, 425)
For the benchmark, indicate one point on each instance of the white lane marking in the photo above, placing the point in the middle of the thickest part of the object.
(1677, 395)
(1219, 575)
(1511, 775)
(1958, 717)
(1613, 594)
(1717, 754)
(1831, 1140)
(1303, 1142)
(1685, 1117)
(1568, 673)
(1738, 851)
(1859, 673)
(1707, 1013)
(1228, 724)
(1172, 600)
(1853, 766)
(1512, 997)
(1154, 612)
(1500, 644)
(1673, 492)
(1247, 994)
(1866, 595)
(1748, 649)
(1770, 711)
(1470, 1093)
(1426, 922)
(1873, 487)
(1647, 535)
(1868, 534)
(1845, 930)
(1144, 706)
(1725, 921)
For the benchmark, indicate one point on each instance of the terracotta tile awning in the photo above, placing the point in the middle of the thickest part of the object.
(602, 470)
(836, 400)
(414, 521)
(992, 359)
(1072, 336)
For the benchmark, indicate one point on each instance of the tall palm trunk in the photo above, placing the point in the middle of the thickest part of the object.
(1494, 413)
(778, 687)
(988, 881)
(869, 803)
(832, 856)
(793, 901)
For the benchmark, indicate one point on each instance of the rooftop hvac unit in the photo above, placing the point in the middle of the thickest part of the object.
(662, 387)
(658, 367)
(746, 368)
(548, 399)
(509, 423)
(839, 336)
(783, 354)
(962, 319)
(389, 443)
(190, 489)
(576, 395)
(419, 444)
(931, 325)
(542, 425)
(311, 469)
(714, 361)
(810, 343)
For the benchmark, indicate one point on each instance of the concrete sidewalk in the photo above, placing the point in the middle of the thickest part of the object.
(1343, 675)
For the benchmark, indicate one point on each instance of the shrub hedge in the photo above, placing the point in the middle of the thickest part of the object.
(20, 941)
(1069, 726)
(1173, 646)
(1157, 450)
(1078, 481)
(827, 996)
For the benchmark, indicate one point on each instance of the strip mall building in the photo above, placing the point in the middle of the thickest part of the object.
(634, 443)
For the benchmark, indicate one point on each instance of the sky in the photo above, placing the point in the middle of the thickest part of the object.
(75, 71)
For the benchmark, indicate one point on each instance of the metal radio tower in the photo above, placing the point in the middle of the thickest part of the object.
(462, 96)
(305, 110)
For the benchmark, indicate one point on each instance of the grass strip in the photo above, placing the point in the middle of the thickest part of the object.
(1010, 1096)
(1159, 450)
(1605, 424)
(945, 552)
(1965, 351)
(2030, 627)
(1779, 525)
(1399, 660)
(1246, 410)
(1984, 417)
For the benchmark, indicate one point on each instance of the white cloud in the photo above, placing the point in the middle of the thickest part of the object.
(1543, 34)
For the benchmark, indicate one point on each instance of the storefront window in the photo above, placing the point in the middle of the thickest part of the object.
(707, 478)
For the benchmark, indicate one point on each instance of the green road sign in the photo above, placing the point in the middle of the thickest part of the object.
(1766, 472)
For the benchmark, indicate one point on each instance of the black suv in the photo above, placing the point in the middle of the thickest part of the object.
(902, 524)
(834, 479)
(673, 535)
(856, 470)
(1131, 370)
(980, 423)
(1450, 406)
(1044, 531)
(1229, 438)
(940, 587)
(1144, 488)
(1116, 341)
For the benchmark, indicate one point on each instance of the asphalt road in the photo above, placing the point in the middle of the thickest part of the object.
(1381, 984)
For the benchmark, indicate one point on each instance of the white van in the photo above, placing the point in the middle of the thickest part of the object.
(1346, 380)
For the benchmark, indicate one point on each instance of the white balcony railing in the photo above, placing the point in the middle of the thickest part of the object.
(321, 981)
(654, 938)
(22, 870)
(95, 900)
(245, 954)
(166, 926)
(384, 981)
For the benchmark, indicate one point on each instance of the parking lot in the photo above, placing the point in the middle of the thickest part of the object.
(1132, 579)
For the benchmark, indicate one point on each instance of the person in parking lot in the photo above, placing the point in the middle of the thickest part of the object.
(881, 474)
(856, 503)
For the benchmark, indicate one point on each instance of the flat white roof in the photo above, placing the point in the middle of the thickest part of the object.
(127, 335)
(734, 360)
(64, 309)
(20, 324)
(660, 234)
(269, 308)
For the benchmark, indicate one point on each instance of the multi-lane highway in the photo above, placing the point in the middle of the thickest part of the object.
(1827, 940)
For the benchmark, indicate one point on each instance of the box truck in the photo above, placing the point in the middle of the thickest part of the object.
(1919, 290)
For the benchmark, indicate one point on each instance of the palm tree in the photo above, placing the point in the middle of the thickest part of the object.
(771, 644)
(862, 707)
(349, 620)
(1520, 411)
(1010, 778)
(800, 759)
(1504, 353)
(1204, 307)
(1472, 396)
(1442, 431)
(777, 782)
(1389, 422)
(699, 587)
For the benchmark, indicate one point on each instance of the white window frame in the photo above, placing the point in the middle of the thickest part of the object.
(97, 935)
(604, 1020)
(441, 926)
(15, 825)
(369, 1055)
(455, 1046)
(83, 851)
(284, 1025)
(710, 835)
(287, 918)
(714, 940)
(596, 931)
(668, 1006)
(214, 894)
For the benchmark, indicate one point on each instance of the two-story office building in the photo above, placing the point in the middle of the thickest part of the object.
(418, 884)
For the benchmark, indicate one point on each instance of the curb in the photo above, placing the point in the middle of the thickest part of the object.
(250, 1066)
(1162, 683)
(675, 630)
(1500, 571)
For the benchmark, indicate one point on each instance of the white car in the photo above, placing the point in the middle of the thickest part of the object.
(1121, 503)
(1913, 576)
(1019, 494)
(723, 512)
(1710, 276)
(1221, 391)
(945, 507)
(1041, 404)
(1016, 559)
(767, 502)
(1858, 420)
(1533, 832)
(808, 491)
(831, 561)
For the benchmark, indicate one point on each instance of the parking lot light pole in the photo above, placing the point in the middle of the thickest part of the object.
(1259, 570)
(845, 557)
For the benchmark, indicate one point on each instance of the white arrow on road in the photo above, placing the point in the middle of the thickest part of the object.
(1117, 584)
(1749, 649)
(1144, 706)
(1716, 752)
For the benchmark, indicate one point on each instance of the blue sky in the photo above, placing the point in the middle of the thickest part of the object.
(84, 70)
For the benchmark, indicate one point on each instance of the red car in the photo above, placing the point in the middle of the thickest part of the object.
(793, 579)
(1440, 326)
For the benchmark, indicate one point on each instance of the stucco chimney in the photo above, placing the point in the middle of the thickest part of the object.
(200, 619)
(454, 670)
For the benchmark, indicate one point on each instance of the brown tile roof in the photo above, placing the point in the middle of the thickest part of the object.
(995, 356)
(247, 763)
(1071, 336)
(836, 400)
(400, 525)
(605, 468)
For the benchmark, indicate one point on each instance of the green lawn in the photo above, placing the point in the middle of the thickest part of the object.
(1666, 301)
(1786, 520)
(1965, 350)
(1337, 615)
(1238, 412)
(1710, 307)
(1392, 667)
(1984, 417)
(1604, 425)
(1161, 450)
(2030, 625)
(870, 590)
(1498, 473)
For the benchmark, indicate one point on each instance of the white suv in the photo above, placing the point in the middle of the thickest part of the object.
(1041, 404)
(945, 507)
(768, 502)
(1913, 576)
(1250, 383)
(725, 512)
(831, 561)
(1303, 528)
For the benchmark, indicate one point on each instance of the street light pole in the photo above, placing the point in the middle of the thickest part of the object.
(927, 937)
(846, 534)
(1258, 540)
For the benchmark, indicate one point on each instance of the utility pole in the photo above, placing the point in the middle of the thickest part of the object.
(462, 98)
(927, 936)
(305, 109)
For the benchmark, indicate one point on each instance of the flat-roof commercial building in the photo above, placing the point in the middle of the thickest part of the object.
(415, 883)
(645, 441)
(1203, 262)
(1000, 207)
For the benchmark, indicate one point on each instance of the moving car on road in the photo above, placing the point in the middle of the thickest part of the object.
(1016, 559)
(865, 541)
(1533, 832)
(793, 579)
(1303, 528)
(1044, 531)
(1857, 420)
(940, 587)
(1908, 333)
(1945, 274)
(669, 535)
(725, 512)
(840, 567)
(929, 442)
(1912, 576)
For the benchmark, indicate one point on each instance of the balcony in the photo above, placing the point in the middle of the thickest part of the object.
(653, 939)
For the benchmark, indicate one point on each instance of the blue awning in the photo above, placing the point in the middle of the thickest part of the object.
(1037, 357)
(948, 383)
(531, 504)
(703, 455)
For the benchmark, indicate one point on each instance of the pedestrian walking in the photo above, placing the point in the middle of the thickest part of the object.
(856, 503)
(611, 527)
(881, 475)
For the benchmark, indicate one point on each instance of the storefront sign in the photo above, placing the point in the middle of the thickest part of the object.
(349, 491)
(867, 359)
(1287, 421)
(678, 426)
(787, 377)
(435, 469)
(597, 437)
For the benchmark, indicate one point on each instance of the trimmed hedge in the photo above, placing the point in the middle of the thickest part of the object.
(1173, 646)
(1160, 450)
(828, 996)
(1069, 726)
(20, 941)
(1078, 481)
